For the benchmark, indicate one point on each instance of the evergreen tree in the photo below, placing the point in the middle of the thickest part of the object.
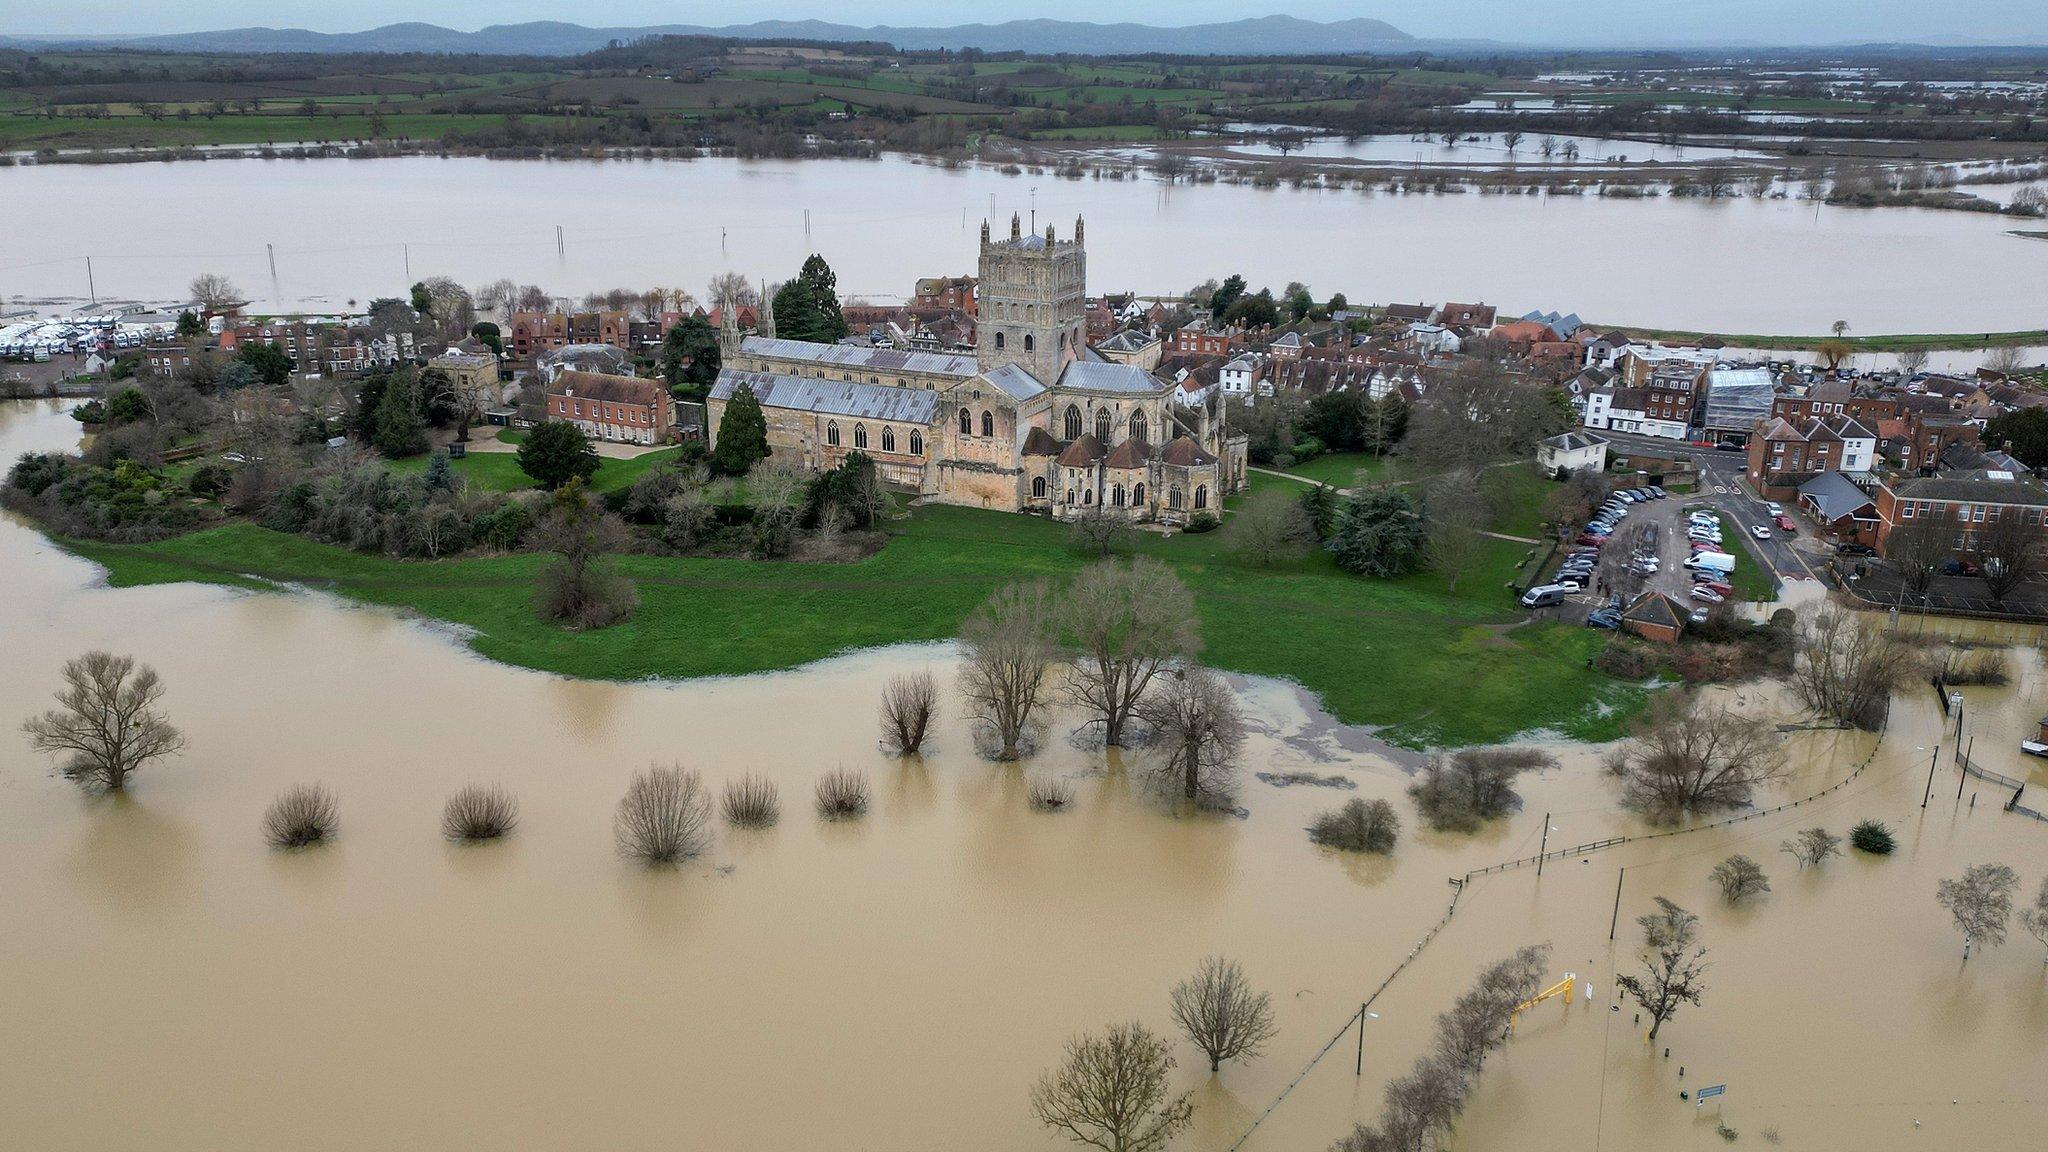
(557, 452)
(489, 335)
(1227, 295)
(1380, 533)
(190, 325)
(690, 356)
(742, 434)
(807, 308)
(271, 363)
(401, 428)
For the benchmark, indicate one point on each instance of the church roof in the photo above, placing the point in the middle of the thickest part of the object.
(1129, 454)
(1014, 381)
(1087, 376)
(1081, 453)
(850, 356)
(832, 397)
(1183, 452)
(1039, 442)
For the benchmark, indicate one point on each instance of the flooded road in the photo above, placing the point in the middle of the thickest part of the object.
(894, 983)
(343, 230)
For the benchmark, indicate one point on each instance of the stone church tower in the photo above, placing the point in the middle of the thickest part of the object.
(1029, 303)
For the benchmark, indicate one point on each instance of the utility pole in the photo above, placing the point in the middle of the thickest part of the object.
(561, 249)
(1615, 919)
(1544, 849)
(92, 293)
(1931, 760)
(1358, 1069)
(407, 249)
(276, 293)
(1963, 770)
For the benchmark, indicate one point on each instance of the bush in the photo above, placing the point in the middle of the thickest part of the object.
(1202, 522)
(210, 481)
(1626, 660)
(1307, 450)
(1359, 826)
(664, 817)
(752, 802)
(304, 815)
(1048, 794)
(35, 472)
(479, 812)
(503, 527)
(1873, 837)
(1739, 876)
(1461, 791)
(842, 793)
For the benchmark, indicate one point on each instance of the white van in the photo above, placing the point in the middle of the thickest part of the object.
(1544, 595)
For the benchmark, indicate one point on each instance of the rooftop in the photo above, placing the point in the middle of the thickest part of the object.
(850, 356)
(832, 397)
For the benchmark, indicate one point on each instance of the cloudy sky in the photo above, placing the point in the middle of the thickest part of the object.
(1528, 21)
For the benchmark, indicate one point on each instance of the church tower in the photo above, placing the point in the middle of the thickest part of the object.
(1029, 303)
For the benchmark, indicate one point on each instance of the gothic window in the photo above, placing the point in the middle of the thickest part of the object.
(1073, 422)
(1138, 496)
(988, 423)
(1116, 495)
(1088, 496)
(999, 341)
(1029, 343)
(966, 422)
(1038, 487)
(888, 439)
(1139, 429)
(1070, 495)
(860, 436)
(1201, 496)
(916, 442)
(832, 433)
(1102, 425)
(1173, 497)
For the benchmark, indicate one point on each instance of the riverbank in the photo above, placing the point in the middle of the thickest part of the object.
(1897, 342)
(1427, 666)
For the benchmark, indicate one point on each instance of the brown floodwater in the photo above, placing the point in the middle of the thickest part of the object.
(897, 982)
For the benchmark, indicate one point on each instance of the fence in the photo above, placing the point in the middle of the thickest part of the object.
(2019, 787)
(1940, 603)
(1458, 884)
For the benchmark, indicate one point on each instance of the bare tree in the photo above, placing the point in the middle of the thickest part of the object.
(908, 704)
(1912, 360)
(1007, 650)
(301, 816)
(1197, 719)
(1359, 826)
(497, 298)
(216, 294)
(1672, 969)
(1683, 760)
(1457, 519)
(1811, 846)
(731, 290)
(1981, 902)
(1128, 621)
(1110, 1092)
(1477, 1023)
(752, 801)
(1459, 791)
(479, 812)
(106, 724)
(1099, 532)
(1847, 666)
(1220, 1012)
(2006, 360)
(1269, 531)
(1738, 876)
(2008, 551)
(581, 588)
(1918, 550)
(665, 816)
(2035, 918)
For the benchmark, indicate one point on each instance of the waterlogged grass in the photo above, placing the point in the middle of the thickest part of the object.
(1434, 667)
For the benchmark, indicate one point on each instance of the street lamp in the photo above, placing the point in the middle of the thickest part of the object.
(1363, 1016)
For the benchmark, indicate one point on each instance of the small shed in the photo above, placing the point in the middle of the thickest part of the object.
(1655, 616)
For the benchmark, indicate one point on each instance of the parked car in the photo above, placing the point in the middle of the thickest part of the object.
(1720, 586)
(1702, 592)
(1851, 548)
(1759, 531)
(1657, 492)
(1785, 523)
(1604, 618)
(1772, 507)
(1699, 615)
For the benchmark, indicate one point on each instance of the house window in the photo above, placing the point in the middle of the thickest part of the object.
(1073, 423)
(916, 442)
(860, 435)
(1038, 487)
(1906, 510)
(888, 439)
(832, 433)
(988, 423)
(1201, 496)
(1102, 425)
(1088, 496)
(1139, 428)
(1070, 495)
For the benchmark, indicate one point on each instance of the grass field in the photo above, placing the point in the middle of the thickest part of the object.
(499, 471)
(1340, 469)
(236, 128)
(1433, 668)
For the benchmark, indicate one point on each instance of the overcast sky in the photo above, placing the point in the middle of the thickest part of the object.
(1593, 22)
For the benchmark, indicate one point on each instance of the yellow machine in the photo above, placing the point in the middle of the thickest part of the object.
(1561, 988)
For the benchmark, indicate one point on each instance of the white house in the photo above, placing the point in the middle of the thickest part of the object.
(1627, 410)
(1571, 452)
(1242, 377)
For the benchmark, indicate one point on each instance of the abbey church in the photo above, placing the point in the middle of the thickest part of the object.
(1034, 421)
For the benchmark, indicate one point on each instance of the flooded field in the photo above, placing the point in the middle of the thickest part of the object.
(897, 982)
(343, 230)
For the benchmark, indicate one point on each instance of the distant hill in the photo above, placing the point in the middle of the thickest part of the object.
(1266, 35)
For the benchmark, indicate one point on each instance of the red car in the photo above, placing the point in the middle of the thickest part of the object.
(1785, 524)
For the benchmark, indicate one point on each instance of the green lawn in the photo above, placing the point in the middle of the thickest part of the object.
(1435, 668)
(499, 471)
(1340, 469)
(1752, 579)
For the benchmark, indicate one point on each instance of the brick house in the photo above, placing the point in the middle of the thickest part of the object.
(536, 332)
(1784, 455)
(620, 409)
(1198, 339)
(1962, 504)
(945, 293)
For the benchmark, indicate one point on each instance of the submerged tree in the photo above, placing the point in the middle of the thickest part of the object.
(908, 704)
(1738, 876)
(1008, 650)
(1110, 1092)
(1359, 826)
(664, 817)
(1128, 621)
(1462, 790)
(1195, 717)
(2035, 918)
(1847, 667)
(1981, 902)
(1812, 845)
(106, 722)
(1689, 760)
(1672, 969)
(1220, 1012)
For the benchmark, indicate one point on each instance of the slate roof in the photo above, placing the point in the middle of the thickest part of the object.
(832, 397)
(850, 356)
(1657, 609)
(1013, 381)
(1128, 340)
(1833, 496)
(1574, 441)
(1990, 487)
(1083, 376)
(1129, 454)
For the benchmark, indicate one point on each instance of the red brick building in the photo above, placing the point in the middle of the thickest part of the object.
(536, 332)
(945, 294)
(1962, 505)
(621, 409)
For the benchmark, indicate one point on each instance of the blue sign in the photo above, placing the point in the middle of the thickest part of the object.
(1709, 1090)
